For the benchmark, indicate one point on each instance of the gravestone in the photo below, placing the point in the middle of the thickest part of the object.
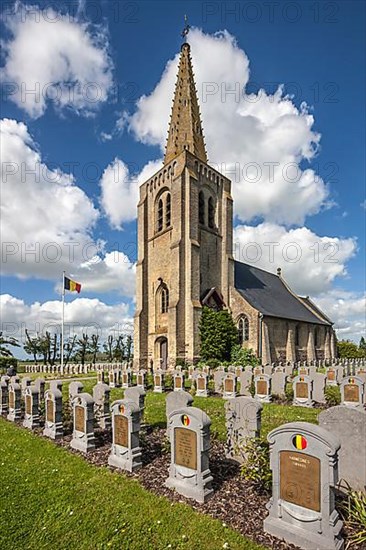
(304, 464)
(352, 391)
(136, 395)
(141, 379)
(4, 398)
(74, 389)
(25, 383)
(218, 378)
(15, 411)
(101, 396)
(40, 384)
(257, 371)
(319, 387)
(268, 370)
(278, 383)
(5, 379)
(245, 379)
(158, 381)
(83, 432)
(262, 388)
(243, 422)
(126, 379)
(178, 381)
(53, 427)
(349, 426)
(100, 376)
(303, 389)
(331, 377)
(15, 379)
(56, 385)
(229, 385)
(126, 451)
(175, 401)
(31, 413)
(189, 472)
(201, 385)
(113, 378)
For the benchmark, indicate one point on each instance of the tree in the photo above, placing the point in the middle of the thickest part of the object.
(83, 348)
(243, 356)
(362, 346)
(94, 347)
(119, 348)
(4, 342)
(31, 345)
(108, 347)
(129, 353)
(347, 349)
(218, 334)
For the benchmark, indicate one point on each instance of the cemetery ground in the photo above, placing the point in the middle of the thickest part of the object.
(51, 495)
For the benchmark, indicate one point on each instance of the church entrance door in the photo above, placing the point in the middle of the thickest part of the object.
(164, 353)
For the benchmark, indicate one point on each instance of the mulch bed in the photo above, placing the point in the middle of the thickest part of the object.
(235, 501)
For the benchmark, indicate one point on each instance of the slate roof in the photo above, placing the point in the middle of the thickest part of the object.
(270, 295)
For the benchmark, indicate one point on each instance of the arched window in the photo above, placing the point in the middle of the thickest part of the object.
(168, 211)
(243, 329)
(201, 208)
(164, 300)
(211, 213)
(160, 215)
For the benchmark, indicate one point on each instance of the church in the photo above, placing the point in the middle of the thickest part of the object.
(185, 260)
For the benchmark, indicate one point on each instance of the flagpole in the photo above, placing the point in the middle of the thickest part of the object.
(63, 321)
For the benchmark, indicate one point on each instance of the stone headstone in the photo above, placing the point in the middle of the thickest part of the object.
(56, 385)
(262, 388)
(4, 398)
(158, 378)
(5, 379)
(178, 381)
(83, 432)
(141, 379)
(245, 379)
(349, 426)
(100, 376)
(352, 391)
(278, 383)
(319, 387)
(31, 414)
(53, 427)
(218, 378)
(177, 400)
(268, 369)
(40, 384)
(74, 389)
(137, 395)
(126, 379)
(331, 377)
(303, 390)
(304, 460)
(201, 385)
(101, 396)
(229, 384)
(189, 472)
(14, 396)
(25, 383)
(126, 451)
(243, 422)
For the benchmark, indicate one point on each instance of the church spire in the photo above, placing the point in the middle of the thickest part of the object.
(185, 128)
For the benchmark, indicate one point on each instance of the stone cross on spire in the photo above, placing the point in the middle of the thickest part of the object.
(185, 128)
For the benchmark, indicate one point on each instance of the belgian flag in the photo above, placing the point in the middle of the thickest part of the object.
(69, 284)
(299, 442)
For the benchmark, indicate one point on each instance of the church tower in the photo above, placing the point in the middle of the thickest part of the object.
(185, 220)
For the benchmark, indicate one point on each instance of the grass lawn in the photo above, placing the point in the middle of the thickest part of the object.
(50, 498)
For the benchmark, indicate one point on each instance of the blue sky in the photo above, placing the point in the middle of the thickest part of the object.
(316, 50)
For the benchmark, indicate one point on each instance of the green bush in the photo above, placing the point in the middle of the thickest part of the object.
(353, 510)
(289, 392)
(332, 396)
(256, 467)
(243, 356)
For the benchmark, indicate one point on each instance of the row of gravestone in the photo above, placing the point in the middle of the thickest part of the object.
(73, 368)
(306, 460)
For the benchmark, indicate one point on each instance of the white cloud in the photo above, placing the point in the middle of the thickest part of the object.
(309, 263)
(347, 310)
(81, 315)
(258, 140)
(120, 190)
(63, 60)
(42, 209)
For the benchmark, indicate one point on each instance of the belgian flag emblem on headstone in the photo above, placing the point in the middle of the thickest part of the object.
(299, 442)
(185, 420)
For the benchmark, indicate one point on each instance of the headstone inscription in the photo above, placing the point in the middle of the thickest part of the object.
(303, 389)
(158, 381)
(83, 433)
(243, 422)
(178, 381)
(4, 398)
(189, 472)
(53, 427)
(126, 379)
(262, 385)
(229, 385)
(348, 424)
(201, 385)
(126, 451)
(304, 459)
(101, 396)
(15, 411)
(352, 391)
(31, 414)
